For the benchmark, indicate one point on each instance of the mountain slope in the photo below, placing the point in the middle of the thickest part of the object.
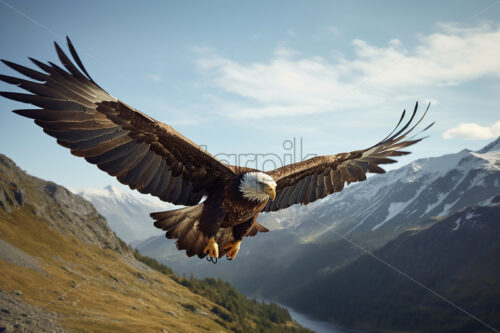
(63, 269)
(127, 215)
(458, 257)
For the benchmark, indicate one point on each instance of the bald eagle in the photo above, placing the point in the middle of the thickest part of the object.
(153, 158)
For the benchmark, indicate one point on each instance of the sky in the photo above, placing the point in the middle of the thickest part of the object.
(266, 77)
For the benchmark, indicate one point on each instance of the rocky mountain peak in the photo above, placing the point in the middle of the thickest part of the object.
(55, 205)
(492, 146)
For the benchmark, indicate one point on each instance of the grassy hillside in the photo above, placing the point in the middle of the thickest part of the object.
(97, 284)
(231, 307)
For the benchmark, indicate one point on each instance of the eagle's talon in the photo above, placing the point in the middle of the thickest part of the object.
(232, 249)
(212, 250)
(212, 260)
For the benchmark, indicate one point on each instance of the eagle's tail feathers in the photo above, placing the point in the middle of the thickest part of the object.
(182, 224)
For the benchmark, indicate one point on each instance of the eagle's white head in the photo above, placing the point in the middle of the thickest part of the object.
(258, 186)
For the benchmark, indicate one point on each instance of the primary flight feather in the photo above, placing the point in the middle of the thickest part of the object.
(153, 158)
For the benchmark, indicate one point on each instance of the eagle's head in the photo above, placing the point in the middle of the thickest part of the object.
(257, 186)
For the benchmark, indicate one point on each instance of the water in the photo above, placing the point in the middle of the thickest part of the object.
(315, 325)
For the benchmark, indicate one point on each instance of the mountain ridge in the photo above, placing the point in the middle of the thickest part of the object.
(413, 193)
(456, 257)
(48, 199)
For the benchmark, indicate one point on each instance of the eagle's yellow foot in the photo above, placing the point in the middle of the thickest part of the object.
(232, 249)
(212, 249)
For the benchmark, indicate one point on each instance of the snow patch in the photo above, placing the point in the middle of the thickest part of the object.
(491, 160)
(490, 202)
(430, 207)
(447, 207)
(470, 215)
(457, 225)
(438, 165)
(394, 209)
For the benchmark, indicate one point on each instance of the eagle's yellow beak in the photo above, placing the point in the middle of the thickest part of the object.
(271, 191)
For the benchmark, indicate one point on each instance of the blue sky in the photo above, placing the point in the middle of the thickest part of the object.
(243, 77)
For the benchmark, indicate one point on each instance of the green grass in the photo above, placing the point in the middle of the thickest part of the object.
(153, 263)
(239, 313)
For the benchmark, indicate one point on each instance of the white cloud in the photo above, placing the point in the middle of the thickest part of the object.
(450, 57)
(282, 51)
(155, 77)
(333, 30)
(290, 84)
(473, 131)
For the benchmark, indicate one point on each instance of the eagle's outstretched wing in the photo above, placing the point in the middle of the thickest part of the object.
(315, 178)
(141, 152)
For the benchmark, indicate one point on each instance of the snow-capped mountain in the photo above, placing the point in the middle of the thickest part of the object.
(399, 199)
(127, 215)
(456, 257)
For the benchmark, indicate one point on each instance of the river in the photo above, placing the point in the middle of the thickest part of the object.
(312, 324)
